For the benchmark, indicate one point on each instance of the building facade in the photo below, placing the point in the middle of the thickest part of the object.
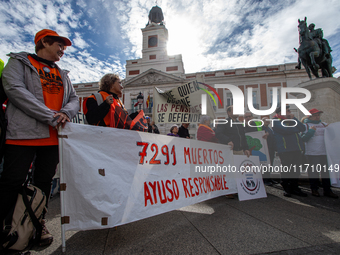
(157, 69)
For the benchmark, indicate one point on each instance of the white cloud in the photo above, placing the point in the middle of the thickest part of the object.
(210, 35)
(78, 41)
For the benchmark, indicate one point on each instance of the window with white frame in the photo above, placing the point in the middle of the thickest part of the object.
(254, 99)
(278, 96)
(229, 99)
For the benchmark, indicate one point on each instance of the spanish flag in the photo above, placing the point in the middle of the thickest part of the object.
(148, 101)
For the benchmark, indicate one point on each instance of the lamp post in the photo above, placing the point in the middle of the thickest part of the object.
(140, 99)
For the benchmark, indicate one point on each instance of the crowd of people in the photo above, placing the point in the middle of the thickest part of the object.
(296, 143)
(41, 99)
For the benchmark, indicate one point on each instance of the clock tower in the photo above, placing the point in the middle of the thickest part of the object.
(154, 50)
(155, 36)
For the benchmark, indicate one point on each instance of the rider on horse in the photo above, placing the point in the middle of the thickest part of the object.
(317, 35)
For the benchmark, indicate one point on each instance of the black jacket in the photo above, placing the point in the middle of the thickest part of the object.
(183, 132)
(226, 133)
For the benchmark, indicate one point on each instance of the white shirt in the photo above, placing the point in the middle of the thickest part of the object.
(316, 145)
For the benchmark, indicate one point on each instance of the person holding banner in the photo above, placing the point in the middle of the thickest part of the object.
(204, 131)
(152, 128)
(316, 154)
(183, 131)
(41, 98)
(233, 134)
(111, 112)
(290, 148)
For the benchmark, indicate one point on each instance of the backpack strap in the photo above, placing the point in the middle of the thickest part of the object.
(34, 219)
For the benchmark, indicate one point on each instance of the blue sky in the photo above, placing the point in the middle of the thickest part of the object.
(210, 35)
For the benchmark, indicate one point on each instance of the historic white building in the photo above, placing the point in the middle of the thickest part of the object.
(157, 68)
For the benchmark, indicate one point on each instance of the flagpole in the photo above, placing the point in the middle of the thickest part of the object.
(62, 204)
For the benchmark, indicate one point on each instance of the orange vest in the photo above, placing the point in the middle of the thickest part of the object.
(53, 92)
(107, 118)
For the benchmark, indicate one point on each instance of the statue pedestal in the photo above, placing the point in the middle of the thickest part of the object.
(325, 97)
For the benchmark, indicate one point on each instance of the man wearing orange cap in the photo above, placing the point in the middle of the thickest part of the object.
(316, 154)
(41, 98)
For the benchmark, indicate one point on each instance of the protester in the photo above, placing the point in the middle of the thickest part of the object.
(232, 133)
(290, 148)
(110, 90)
(183, 131)
(271, 149)
(316, 154)
(152, 128)
(173, 131)
(41, 99)
(111, 112)
(204, 131)
(251, 126)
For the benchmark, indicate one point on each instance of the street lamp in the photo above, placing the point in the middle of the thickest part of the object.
(140, 99)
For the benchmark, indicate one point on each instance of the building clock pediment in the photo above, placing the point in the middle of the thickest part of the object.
(152, 77)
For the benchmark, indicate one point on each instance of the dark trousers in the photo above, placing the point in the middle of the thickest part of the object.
(289, 179)
(319, 164)
(17, 161)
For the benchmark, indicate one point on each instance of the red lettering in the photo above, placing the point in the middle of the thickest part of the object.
(212, 183)
(215, 157)
(185, 183)
(199, 156)
(170, 191)
(193, 155)
(225, 182)
(163, 200)
(205, 154)
(207, 184)
(174, 183)
(191, 187)
(198, 190)
(172, 107)
(186, 153)
(210, 150)
(202, 182)
(219, 153)
(147, 194)
(154, 191)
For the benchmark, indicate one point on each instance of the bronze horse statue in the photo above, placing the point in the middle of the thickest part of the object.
(311, 54)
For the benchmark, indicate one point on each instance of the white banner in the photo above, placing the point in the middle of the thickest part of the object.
(258, 146)
(249, 178)
(183, 104)
(332, 142)
(116, 176)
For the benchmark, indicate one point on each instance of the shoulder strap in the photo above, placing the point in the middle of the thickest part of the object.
(99, 98)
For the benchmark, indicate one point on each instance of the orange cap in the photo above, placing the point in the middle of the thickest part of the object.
(47, 32)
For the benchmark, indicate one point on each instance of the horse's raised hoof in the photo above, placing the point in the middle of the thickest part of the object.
(298, 67)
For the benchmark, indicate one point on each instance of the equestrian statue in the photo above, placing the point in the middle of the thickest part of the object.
(314, 51)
